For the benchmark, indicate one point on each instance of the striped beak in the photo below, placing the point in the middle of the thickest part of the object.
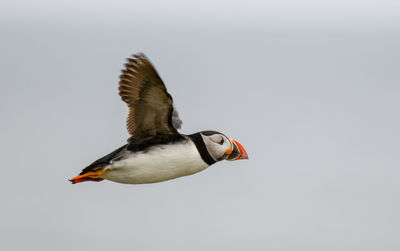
(236, 151)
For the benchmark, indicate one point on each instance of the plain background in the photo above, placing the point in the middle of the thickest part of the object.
(310, 88)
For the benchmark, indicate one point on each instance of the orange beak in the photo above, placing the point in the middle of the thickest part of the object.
(236, 151)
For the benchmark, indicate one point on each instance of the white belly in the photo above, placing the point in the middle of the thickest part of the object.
(157, 164)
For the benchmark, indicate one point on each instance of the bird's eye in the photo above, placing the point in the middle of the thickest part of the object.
(221, 141)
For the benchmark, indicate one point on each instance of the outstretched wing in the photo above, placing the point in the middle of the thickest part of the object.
(151, 111)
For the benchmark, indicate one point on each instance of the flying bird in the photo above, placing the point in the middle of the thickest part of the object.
(156, 151)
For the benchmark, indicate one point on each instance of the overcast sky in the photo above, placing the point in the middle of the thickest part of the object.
(310, 88)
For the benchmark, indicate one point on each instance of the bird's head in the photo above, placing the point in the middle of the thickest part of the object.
(221, 147)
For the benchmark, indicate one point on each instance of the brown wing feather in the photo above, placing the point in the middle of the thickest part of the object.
(150, 105)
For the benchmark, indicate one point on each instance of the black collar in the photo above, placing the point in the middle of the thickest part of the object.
(201, 147)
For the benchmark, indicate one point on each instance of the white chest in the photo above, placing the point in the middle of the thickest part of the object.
(157, 164)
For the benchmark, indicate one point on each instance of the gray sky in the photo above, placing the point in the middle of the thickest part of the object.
(310, 88)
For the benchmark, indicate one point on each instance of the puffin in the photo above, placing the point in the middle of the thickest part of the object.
(155, 150)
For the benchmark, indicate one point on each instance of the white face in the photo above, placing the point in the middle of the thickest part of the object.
(217, 144)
